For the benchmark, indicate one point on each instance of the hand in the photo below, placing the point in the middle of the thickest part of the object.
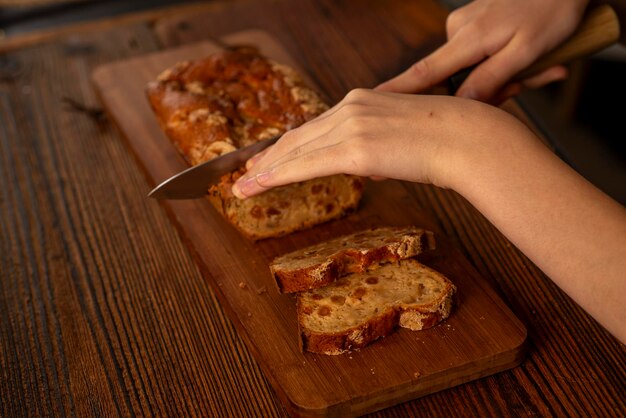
(508, 35)
(376, 134)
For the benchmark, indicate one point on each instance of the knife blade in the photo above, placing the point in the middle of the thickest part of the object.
(194, 181)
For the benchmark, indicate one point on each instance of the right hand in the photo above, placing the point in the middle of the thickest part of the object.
(506, 35)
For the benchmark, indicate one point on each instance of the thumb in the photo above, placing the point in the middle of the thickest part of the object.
(433, 69)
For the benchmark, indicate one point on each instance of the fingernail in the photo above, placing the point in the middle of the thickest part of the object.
(245, 187)
(251, 162)
(241, 185)
(262, 177)
(380, 87)
(237, 191)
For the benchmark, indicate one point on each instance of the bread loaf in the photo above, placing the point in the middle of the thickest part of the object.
(235, 98)
(321, 264)
(358, 309)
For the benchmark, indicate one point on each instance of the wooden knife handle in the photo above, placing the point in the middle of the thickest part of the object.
(598, 29)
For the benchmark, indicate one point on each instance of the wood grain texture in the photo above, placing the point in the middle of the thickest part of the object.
(104, 313)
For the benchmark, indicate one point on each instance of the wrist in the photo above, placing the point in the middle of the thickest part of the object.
(486, 145)
(464, 143)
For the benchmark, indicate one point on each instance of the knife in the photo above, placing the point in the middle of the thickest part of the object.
(598, 29)
(194, 181)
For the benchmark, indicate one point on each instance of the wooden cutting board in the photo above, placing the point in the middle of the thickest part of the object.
(481, 337)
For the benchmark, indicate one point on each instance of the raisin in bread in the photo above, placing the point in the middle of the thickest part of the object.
(358, 309)
(321, 264)
(235, 98)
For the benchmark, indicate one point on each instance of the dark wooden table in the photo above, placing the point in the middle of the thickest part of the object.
(102, 309)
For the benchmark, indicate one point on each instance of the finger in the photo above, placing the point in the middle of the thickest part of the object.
(460, 17)
(322, 142)
(513, 89)
(318, 163)
(552, 74)
(318, 133)
(254, 159)
(492, 74)
(291, 140)
(505, 93)
(436, 67)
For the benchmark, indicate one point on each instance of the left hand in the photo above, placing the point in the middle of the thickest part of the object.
(380, 135)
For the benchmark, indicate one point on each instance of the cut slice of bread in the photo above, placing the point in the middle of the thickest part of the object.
(357, 309)
(321, 264)
(286, 209)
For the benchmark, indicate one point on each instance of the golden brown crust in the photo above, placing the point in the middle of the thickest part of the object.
(343, 342)
(236, 95)
(196, 124)
(319, 265)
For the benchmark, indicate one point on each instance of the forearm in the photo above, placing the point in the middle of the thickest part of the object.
(569, 228)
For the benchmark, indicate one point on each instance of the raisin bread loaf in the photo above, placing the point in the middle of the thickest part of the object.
(232, 99)
(358, 309)
(321, 264)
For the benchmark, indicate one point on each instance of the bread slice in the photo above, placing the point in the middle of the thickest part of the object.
(358, 309)
(234, 98)
(287, 209)
(321, 264)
